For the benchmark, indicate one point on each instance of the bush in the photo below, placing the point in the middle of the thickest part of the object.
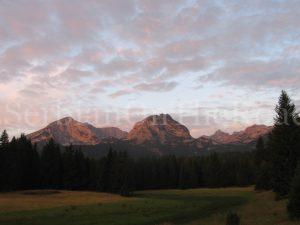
(233, 219)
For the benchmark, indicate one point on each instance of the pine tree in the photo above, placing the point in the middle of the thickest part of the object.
(125, 175)
(51, 162)
(4, 175)
(260, 151)
(4, 139)
(214, 173)
(172, 181)
(106, 174)
(293, 206)
(12, 167)
(81, 170)
(188, 177)
(262, 166)
(27, 164)
(284, 145)
(69, 168)
(93, 173)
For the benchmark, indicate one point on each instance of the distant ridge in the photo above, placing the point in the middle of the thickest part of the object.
(247, 136)
(154, 132)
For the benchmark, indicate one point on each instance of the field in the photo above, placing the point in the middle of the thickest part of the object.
(190, 207)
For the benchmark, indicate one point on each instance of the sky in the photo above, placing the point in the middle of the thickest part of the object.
(210, 64)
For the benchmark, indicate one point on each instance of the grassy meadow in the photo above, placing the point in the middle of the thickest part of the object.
(190, 207)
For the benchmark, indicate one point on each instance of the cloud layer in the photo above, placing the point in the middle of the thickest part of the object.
(114, 56)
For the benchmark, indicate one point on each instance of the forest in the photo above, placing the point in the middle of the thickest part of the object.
(23, 167)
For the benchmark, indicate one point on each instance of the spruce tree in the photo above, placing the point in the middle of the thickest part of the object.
(27, 163)
(51, 162)
(260, 151)
(4, 139)
(125, 175)
(4, 150)
(188, 177)
(293, 206)
(81, 170)
(262, 166)
(214, 173)
(69, 168)
(106, 174)
(284, 145)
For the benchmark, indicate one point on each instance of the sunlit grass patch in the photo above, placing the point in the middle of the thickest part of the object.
(41, 199)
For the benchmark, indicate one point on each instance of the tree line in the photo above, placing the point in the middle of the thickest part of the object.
(22, 166)
(277, 158)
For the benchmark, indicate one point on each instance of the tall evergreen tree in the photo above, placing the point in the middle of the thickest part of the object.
(262, 166)
(69, 175)
(188, 176)
(213, 171)
(12, 166)
(284, 145)
(125, 175)
(260, 151)
(28, 164)
(293, 206)
(106, 174)
(51, 162)
(2, 167)
(4, 139)
(82, 170)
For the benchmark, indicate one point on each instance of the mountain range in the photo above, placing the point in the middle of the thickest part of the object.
(155, 132)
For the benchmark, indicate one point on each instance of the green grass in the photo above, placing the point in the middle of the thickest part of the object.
(197, 206)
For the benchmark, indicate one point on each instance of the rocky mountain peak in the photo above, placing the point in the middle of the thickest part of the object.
(159, 129)
(67, 119)
(68, 131)
(221, 137)
(219, 133)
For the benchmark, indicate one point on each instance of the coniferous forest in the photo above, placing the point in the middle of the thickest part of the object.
(55, 167)
(274, 165)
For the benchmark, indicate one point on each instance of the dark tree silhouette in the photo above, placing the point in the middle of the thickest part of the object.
(293, 206)
(263, 166)
(51, 165)
(56, 167)
(284, 145)
(4, 139)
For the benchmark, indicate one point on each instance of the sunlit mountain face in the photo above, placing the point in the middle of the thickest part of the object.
(154, 135)
(210, 64)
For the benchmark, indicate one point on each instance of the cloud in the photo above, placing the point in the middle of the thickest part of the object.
(120, 93)
(90, 53)
(156, 87)
(257, 73)
(116, 67)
